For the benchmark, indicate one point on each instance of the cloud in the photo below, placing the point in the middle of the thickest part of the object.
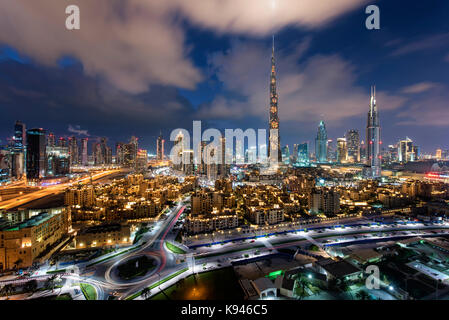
(77, 130)
(134, 44)
(262, 17)
(428, 109)
(419, 87)
(426, 43)
(319, 85)
(69, 97)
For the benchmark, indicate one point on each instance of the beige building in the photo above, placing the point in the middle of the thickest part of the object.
(211, 222)
(266, 215)
(32, 240)
(103, 236)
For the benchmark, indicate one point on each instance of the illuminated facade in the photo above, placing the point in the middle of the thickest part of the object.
(274, 145)
(321, 144)
(374, 159)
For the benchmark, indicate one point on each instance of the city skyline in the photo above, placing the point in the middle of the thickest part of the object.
(317, 75)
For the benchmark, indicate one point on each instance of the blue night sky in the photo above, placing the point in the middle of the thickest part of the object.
(137, 67)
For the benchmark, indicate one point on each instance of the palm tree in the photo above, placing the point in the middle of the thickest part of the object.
(363, 295)
(51, 282)
(146, 292)
(7, 290)
(31, 286)
(302, 286)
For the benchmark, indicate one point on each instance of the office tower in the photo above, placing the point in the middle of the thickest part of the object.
(18, 151)
(120, 153)
(222, 166)
(19, 136)
(342, 150)
(35, 166)
(294, 155)
(274, 139)
(439, 154)
(405, 150)
(97, 154)
(416, 152)
(58, 161)
(84, 159)
(160, 147)
(374, 159)
(142, 160)
(353, 144)
(51, 140)
(303, 154)
(73, 151)
(321, 144)
(62, 142)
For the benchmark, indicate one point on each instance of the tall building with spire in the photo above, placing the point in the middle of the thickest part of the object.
(274, 138)
(160, 147)
(373, 157)
(321, 143)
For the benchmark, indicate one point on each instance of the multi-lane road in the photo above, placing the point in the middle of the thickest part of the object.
(51, 190)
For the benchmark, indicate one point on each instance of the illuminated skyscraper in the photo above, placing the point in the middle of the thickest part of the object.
(35, 167)
(353, 145)
(321, 143)
(84, 160)
(160, 147)
(274, 138)
(342, 150)
(374, 159)
(73, 151)
(19, 136)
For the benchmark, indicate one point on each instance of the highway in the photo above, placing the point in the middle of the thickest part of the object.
(50, 190)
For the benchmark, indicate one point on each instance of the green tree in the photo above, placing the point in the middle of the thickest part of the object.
(146, 292)
(31, 286)
(301, 288)
(363, 295)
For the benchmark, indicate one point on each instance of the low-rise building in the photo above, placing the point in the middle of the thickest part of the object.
(104, 235)
(32, 240)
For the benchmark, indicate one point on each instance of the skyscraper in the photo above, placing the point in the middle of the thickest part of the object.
(73, 151)
(160, 147)
(342, 150)
(303, 154)
(19, 136)
(274, 138)
(353, 145)
(321, 143)
(35, 167)
(405, 150)
(84, 159)
(374, 159)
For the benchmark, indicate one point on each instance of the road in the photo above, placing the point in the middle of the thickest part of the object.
(221, 254)
(51, 190)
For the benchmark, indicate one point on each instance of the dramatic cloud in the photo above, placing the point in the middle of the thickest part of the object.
(77, 130)
(429, 109)
(263, 16)
(426, 43)
(321, 86)
(420, 87)
(135, 43)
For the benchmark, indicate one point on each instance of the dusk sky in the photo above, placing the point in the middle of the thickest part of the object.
(137, 67)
